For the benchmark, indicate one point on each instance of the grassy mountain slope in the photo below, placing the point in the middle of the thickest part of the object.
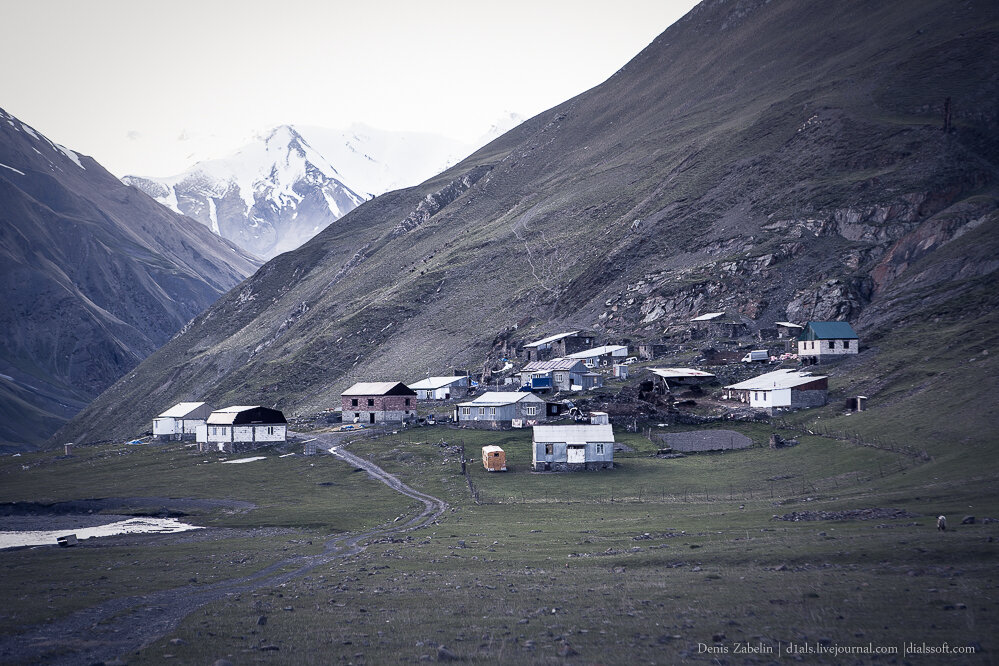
(785, 160)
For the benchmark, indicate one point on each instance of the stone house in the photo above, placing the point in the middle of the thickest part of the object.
(240, 428)
(378, 402)
(559, 374)
(568, 448)
(500, 409)
(556, 346)
(825, 340)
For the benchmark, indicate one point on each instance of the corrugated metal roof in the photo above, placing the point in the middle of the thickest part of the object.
(599, 351)
(779, 379)
(829, 330)
(180, 410)
(679, 373)
(500, 398)
(574, 434)
(708, 317)
(373, 388)
(549, 339)
(562, 363)
(434, 383)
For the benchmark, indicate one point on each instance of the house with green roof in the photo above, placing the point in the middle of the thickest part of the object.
(827, 340)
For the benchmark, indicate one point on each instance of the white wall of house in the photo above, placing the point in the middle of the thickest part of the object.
(770, 398)
(827, 347)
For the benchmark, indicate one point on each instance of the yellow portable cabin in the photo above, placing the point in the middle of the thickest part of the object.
(493, 459)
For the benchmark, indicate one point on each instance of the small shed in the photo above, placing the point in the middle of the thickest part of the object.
(493, 459)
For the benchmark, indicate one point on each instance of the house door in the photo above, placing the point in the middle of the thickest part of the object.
(371, 417)
(576, 454)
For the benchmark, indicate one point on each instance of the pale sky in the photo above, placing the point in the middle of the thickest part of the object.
(148, 87)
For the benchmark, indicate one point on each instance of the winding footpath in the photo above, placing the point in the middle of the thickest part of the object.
(116, 627)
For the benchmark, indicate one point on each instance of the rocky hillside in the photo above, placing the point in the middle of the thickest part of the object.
(95, 276)
(783, 160)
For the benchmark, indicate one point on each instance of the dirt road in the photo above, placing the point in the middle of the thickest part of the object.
(119, 626)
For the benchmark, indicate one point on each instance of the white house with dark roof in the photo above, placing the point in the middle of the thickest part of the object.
(242, 427)
(823, 340)
(781, 389)
(181, 421)
(567, 448)
(440, 388)
(499, 409)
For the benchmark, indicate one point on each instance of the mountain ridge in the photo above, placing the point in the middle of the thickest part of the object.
(95, 277)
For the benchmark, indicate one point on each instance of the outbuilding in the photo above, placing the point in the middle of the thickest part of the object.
(181, 421)
(493, 459)
(558, 345)
(666, 379)
(825, 340)
(568, 448)
(499, 409)
(781, 389)
(605, 355)
(240, 428)
(378, 402)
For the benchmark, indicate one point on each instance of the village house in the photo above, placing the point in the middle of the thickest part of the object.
(441, 388)
(560, 374)
(241, 428)
(500, 409)
(568, 448)
(792, 389)
(667, 379)
(378, 402)
(181, 421)
(825, 340)
(556, 346)
(604, 355)
(718, 324)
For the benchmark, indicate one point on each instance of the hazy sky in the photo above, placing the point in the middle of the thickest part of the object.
(149, 87)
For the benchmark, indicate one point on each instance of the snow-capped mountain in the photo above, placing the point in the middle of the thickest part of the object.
(268, 197)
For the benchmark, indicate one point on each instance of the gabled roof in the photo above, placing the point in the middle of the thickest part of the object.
(550, 339)
(779, 379)
(574, 434)
(246, 415)
(828, 330)
(500, 399)
(180, 410)
(679, 373)
(563, 363)
(434, 383)
(599, 351)
(379, 388)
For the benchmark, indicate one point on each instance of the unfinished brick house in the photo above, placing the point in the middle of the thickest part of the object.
(378, 402)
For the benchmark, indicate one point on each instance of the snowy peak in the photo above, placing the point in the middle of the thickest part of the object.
(270, 196)
(57, 155)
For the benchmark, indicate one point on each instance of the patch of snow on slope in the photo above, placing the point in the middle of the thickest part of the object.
(213, 216)
(12, 169)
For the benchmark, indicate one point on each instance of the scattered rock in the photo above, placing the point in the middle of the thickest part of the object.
(177, 641)
(262, 620)
(968, 520)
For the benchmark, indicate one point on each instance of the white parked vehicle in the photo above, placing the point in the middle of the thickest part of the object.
(756, 355)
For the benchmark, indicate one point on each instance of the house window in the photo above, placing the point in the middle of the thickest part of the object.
(466, 411)
(549, 449)
(225, 431)
(482, 411)
(270, 430)
(215, 430)
(531, 410)
(353, 402)
(357, 415)
(371, 402)
(407, 402)
(832, 344)
(846, 344)
(492, 411)
(600, 449)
